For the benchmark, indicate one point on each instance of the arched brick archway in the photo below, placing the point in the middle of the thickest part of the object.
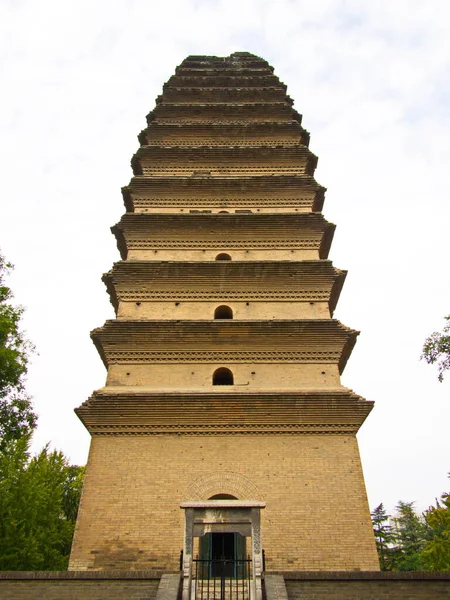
(222, 482)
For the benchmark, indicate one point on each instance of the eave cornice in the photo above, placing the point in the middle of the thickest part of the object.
(224, 158)
(197, 189)
(211, 341)
(224, 231)
(225, 71)
(223, 113)
(335, 411)
(219, 95)
(237, 61)
(244, 134)
(216, 79)
(135, 280)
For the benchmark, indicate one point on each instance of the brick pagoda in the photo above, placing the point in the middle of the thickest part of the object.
(224, 360)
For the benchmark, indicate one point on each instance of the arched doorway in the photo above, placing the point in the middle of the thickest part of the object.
(223, 553)
(222, 515)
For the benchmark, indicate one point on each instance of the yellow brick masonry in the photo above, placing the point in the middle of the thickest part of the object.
(313, 487)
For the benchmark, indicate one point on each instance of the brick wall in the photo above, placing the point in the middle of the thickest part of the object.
(367, 586)
(300, 586)
(73, 585)
(130, 516)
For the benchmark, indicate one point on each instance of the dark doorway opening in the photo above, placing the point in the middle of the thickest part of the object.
(222, 554)
(223, 551)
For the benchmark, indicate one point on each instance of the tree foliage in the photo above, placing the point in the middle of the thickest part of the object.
(436, 349)
(412, 542)
(38, 507)
(411, 534)
(436, 553)
(39, 495)
(384, 537)
(16, 413)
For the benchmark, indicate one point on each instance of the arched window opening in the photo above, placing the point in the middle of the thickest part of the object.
(222, 497)
(223, 212)
(223, 312)
(223, 256)
(222, 376)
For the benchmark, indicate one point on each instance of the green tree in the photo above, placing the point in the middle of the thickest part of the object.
(16, 413)
(384, 537)
(411, 534)
(39, 495)
(436, 552)
(38, 506)
(436, 349)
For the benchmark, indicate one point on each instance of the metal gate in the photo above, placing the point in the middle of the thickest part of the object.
(221, 579)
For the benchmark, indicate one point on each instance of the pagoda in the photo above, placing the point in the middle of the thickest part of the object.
(223, 426)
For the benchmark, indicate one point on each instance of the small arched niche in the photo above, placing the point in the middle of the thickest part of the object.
(223, 312)
(223, 212)
(222, 376)
(222, 497)
(223, 256)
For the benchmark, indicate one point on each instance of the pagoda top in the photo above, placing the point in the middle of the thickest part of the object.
(237, 60)
(233, 56)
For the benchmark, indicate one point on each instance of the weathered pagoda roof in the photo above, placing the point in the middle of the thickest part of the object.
(224, 231)
(223, 412)
(224, 80)
(254, 134)
(139, 280)
(203, 70)
(224, 160)
(221, 94)
(237, 60)
(224, 112)
(302, 340)
(189, 192)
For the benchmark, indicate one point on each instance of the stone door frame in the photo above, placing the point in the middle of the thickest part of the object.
(223, 516)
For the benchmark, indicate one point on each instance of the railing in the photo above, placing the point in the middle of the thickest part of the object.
(222, 579)
(263, 559)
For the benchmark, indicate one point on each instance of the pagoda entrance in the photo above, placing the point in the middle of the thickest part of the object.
(222, 556)
(224, 553)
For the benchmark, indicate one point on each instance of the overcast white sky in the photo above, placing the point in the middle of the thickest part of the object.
(372, 80)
